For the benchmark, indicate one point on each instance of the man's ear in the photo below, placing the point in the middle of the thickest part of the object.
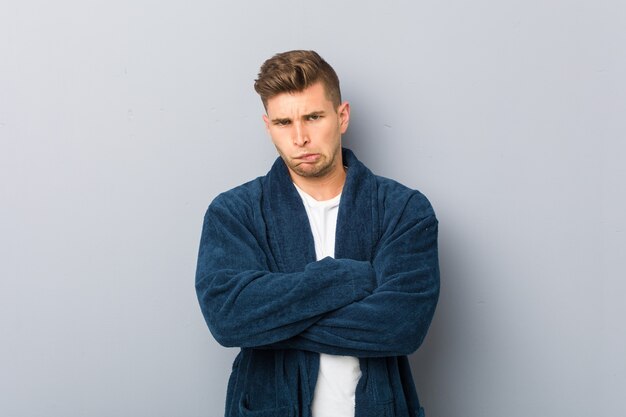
(267, 122)
(344, 116)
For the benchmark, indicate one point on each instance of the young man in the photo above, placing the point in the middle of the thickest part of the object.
(325, 275)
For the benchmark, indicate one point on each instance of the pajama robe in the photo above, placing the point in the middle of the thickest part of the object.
(261, 289)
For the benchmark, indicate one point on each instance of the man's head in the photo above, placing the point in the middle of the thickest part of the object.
(305, 118)
(294, 71)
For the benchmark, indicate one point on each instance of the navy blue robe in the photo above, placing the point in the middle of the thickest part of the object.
(261, 289)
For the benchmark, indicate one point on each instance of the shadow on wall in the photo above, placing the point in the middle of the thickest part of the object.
(436, 355)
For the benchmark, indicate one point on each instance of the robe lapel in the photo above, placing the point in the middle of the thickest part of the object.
(357, 223)
(291, 239)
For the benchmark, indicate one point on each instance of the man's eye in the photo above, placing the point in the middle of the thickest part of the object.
(281, 122)
(314, 117)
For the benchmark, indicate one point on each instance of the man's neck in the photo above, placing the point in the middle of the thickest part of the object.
(323, 188)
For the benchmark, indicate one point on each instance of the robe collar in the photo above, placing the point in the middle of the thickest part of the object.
(291, 239)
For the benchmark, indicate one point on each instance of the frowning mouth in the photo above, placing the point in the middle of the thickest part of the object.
(308, 157)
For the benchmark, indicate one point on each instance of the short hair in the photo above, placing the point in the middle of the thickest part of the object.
(294, 71)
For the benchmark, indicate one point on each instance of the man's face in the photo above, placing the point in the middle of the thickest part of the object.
(306, 129)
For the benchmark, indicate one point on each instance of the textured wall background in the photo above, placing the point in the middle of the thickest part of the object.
(121, 120)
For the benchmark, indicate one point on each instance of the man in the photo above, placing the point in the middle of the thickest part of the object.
(325, 275)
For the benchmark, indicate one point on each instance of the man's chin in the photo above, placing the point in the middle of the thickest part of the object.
(307, 174)
(308, 170)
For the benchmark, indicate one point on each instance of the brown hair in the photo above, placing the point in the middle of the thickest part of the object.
(294, 71)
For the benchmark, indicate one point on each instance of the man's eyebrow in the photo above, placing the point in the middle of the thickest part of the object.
(281, 120)
(315, 113)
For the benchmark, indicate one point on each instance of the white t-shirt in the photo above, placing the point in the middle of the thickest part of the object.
(338, 375)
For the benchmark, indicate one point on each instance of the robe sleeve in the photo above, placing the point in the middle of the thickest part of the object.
(246, 305)
(394, 319)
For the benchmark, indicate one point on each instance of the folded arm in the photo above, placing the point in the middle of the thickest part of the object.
(394, 319)
(246, 305)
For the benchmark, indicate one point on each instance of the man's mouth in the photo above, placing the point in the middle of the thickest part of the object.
(308, 157)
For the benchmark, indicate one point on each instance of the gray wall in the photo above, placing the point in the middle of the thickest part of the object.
(121, 120)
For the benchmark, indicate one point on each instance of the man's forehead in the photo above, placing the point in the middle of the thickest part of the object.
(310, 100)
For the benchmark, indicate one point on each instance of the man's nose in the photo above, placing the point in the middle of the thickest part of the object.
(300, 135)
